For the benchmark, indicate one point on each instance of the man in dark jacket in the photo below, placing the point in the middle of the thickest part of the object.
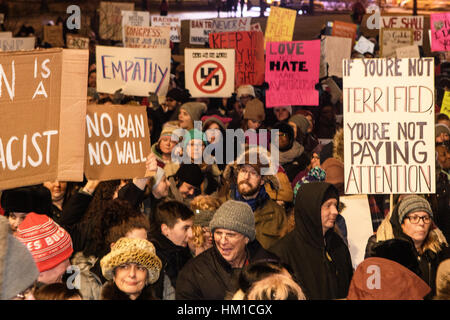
(317, 255)
(213, 274)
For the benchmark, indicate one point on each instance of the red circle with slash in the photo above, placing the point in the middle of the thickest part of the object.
(200, 86)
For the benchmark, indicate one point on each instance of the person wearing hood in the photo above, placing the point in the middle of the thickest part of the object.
(412, 220)
(384, 279)
(318, 256)
(214, 273)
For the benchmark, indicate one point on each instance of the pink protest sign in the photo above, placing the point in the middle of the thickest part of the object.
(292, 71)
(440, 31)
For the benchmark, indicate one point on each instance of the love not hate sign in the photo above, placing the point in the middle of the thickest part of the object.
(136, 71)
(43, 105)
(117, 142)
(389, 126)
(292, 71)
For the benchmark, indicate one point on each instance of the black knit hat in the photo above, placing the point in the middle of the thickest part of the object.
(190, 173)
(178, 95)
(27, 199)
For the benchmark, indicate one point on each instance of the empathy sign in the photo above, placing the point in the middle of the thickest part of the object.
(389, 126)
(136, 71)
(408, 22)
(280, 24)
(249, 47)
(43, 104)
(147, 37)
(292, 71)
(440, 31)
(209, 72)
(117, 142)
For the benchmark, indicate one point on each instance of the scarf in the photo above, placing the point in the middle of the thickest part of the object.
(290, 155)
(254, 203)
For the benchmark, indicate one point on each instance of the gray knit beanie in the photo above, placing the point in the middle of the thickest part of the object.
(195, 109)
(301, 122)
(413, 203)
(236, 216)
(18, 270)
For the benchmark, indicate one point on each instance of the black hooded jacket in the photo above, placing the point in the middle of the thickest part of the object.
(322, 265)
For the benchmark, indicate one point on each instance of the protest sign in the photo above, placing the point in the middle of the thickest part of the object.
(16, 44)
(440, 31)
(407, 22)
(393, 38)
(358, 220)
(389, 126)
(280, 25)
(135, 19)
(255, 27)
(231, 24)
(54, 35)
(147, 37)
(364, 45)
(335, 50)
(199, 31)
(292, 71)
(117, 142)
(110, 14)
(445, 106)
(134, 70)
(249, 46)
(173, 22)
(43, 105)
(209, 72)
(74, 42)
(408, 52)
(344, 30)
(6, 34)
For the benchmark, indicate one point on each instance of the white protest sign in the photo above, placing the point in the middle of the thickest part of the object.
(209, 72)
(77, 42)
(147, 37)
(134, 70)
(336, 49)
(231, 24)
(6, 34)
(393, 38)
(173, 22)
(135, 19)
(199, 31)
(364, 45)
(16, 44)
(389, 126)
(409, 22)
(408, 52)
(358, 221)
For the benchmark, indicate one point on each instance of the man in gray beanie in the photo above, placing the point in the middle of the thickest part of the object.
(213, 274)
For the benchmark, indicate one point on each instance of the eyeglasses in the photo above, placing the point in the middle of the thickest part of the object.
(415, 219)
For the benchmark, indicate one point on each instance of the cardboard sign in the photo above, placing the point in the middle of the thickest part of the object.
(54, 35)
(43, 105)
(292, 71)
(74, 42)
(344, 30)
(110, 14)
(280, 25)
(407, 22)
(231, 24)
(358, 221)
(136, 71)
(256, 27)
(364, 45)
(209, 72)
(391, 39)
(335, 50)
(445, 107)
(16, 44)
(389, 126)
(6, 34)
(249, 47)
(147, 37)
(117, 142)
(135, 19)
(440, 31)
(173, 22)
(199, 31)
(408, 52)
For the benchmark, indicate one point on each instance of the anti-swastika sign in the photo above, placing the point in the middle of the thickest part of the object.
(210, 72)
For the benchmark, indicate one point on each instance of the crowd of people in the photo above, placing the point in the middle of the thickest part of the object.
(215, 231)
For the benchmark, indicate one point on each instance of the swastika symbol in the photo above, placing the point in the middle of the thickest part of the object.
(209, 76)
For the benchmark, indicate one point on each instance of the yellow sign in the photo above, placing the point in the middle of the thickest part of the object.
(445, 107)
(280, 25)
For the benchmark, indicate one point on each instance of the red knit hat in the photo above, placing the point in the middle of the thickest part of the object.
(47, 241)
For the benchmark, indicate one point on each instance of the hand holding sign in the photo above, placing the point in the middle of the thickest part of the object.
(151, 165)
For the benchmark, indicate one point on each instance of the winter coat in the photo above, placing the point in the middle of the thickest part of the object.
(435, 249)
(321, 264)
(111, 292)
(173, 259)
(210, 277)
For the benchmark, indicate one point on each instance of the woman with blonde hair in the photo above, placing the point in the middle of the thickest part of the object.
(204, 207)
